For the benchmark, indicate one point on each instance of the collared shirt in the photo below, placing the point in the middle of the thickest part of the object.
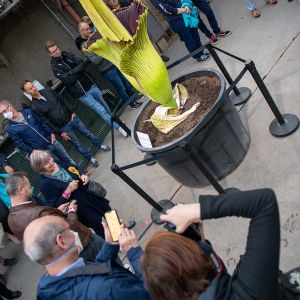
(78, 263)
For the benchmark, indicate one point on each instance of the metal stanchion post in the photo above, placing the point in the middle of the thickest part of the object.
(283, 124)
(239, 95)
(206, 172)
(158, 207)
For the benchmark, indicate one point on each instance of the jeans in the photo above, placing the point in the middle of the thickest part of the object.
(76, 124)
(94, 100)
(189, 36)
(91, 250)
(250, 5)
(123, 86)
(204, 7)
(59, 153)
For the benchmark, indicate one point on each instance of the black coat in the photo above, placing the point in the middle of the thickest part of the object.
(55, 109)
(90, 208)
(256, 275)
(70, 70)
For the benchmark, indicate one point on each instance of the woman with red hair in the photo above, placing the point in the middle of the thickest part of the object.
(178, 268)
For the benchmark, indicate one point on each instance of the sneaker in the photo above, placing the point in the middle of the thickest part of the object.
(255, 13)
(204, 57)
(213, 40)
(135, 104)
(123, 132)
(224, 33)
(138, 96)
(104, 148)
(165, 58)
(94, 162)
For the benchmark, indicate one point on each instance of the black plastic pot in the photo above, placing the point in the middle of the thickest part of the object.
(221, 141)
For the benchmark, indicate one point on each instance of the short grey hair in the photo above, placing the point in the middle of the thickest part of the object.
(38, 159)
(42, 248)
(13, 182)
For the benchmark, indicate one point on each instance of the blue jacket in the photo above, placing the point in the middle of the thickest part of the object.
(36, 134)
(168, 8)
(116, 283)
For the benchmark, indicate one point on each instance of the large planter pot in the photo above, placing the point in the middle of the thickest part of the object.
(221, 141)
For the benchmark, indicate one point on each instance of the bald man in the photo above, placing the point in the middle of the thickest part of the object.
(49, 241)
(107, 69)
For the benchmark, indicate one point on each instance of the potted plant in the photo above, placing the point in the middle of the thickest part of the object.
(208, 120)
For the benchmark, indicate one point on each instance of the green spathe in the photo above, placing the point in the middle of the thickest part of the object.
(133, 54)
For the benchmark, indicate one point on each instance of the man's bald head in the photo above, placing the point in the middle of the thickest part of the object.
(84, 30)
(40, 238)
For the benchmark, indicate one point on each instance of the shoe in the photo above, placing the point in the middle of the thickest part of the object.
(13, 295)
(213, 40)
(272, 2)
(123, 132)
(165, 58)
(104, 148)
(94, 162)
(139, 96)
(255, 13)
(9, 262)
(3, 280)
(204, 57)
(130, 224)
(224, 33)
(135, 104)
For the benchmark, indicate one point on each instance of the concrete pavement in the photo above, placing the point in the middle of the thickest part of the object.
(273, 42)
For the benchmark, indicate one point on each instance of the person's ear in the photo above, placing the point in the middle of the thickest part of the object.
(61, 242)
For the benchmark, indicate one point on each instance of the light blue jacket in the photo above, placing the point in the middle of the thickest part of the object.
(190, 20)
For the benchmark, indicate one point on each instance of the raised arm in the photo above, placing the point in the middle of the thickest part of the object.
(257, 272)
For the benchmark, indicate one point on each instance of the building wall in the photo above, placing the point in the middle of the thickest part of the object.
(22, 36)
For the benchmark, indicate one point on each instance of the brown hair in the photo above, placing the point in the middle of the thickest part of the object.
(50, 44)
(23, 84)
(175, 268)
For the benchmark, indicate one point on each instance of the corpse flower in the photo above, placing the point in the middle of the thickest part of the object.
(123, 40)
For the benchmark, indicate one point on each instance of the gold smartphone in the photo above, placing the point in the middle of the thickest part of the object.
(113, 224)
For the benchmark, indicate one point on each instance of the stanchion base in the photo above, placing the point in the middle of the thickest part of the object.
(291, 125)
(155, 215)
(243, 97)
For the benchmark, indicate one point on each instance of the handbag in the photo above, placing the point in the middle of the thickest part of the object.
(96, 189)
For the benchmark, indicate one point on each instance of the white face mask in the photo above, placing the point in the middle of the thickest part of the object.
(8, 115)
(77, 241)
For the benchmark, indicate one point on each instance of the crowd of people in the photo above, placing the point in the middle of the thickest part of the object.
(65, 230)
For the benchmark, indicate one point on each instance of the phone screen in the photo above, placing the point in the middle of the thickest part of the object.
(113, 224)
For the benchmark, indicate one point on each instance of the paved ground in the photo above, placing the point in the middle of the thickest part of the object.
(273, 42)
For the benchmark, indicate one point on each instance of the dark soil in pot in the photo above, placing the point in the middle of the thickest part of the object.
(204, 89)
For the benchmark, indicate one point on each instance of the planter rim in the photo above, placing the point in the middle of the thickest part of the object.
(192, 131)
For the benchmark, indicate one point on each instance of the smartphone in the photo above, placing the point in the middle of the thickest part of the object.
(113, 224)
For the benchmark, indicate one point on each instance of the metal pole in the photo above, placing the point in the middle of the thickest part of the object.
(242, 94)
(206, 172)
(114, 118)
(283, 125)
(136, 188)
